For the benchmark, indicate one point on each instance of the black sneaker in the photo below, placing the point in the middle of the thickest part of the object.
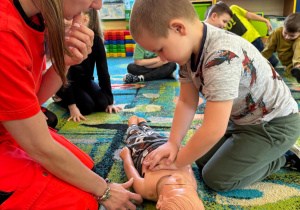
(296, 73)
(292, 161)
(129, 78)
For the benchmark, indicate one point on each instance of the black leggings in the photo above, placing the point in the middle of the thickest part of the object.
(88, 97)
(52, 118)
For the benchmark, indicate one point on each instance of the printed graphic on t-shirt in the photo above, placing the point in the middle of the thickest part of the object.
(249, 68)
(236, 26)
(251, 106)
(224, 55)
(274, 74)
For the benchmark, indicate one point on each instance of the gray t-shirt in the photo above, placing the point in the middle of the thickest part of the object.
(231, 68)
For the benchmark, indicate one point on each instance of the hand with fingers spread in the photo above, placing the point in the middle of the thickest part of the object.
(121, 198)
(111, 108)
(168, 150)
(75, 113)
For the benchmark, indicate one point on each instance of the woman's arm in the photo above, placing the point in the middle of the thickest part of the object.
(33, 136)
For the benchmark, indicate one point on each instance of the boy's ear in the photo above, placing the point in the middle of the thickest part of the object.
(213, 16)
(178, 26)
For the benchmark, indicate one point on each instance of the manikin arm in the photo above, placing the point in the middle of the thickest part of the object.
(131, 172)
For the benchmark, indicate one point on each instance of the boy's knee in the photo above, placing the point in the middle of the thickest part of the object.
(216, 181)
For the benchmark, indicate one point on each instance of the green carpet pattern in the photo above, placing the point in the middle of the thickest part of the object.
(102, 136)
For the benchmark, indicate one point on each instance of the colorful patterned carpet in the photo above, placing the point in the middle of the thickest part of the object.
(102, 136)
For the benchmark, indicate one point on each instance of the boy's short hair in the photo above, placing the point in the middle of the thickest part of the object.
(154, 16)
(219, 8)
(292, 23)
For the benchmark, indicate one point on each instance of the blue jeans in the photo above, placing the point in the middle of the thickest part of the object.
(260, 46)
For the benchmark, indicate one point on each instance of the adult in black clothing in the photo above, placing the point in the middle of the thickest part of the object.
(83, 95)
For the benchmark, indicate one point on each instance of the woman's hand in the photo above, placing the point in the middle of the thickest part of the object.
(79, 40)
(122, 198)
(111, 108)
(168, 150)
(75, 113)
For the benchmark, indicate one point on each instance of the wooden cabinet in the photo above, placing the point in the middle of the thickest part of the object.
(268, 7)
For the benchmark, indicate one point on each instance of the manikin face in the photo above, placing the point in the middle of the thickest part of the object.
(290, 36)
(175, 47)
(175, 186)
(73, 8)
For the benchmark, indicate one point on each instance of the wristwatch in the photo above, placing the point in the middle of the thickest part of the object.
(106, 194)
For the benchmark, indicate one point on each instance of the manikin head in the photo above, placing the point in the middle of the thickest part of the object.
(178, 193)
(218, 15)
(291, 29)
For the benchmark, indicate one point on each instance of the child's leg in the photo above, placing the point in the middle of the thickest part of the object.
(296, 73)
(134, 69)
(161, 72)
(288, 68)
(133, 130)
(51, 117)
(142, 123)
(133, 120)
(251, 153)
(97, 95)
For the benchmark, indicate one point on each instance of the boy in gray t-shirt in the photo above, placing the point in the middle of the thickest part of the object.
(251, 119)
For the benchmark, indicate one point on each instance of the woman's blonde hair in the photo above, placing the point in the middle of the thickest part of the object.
(52, 12)
(154, 16)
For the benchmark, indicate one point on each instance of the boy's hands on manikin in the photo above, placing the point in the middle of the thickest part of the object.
(153, 160)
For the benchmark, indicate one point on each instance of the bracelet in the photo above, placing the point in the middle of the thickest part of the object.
(106, 194)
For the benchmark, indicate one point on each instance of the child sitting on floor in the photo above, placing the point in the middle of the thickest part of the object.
(286, 42)
(148, 66)
(172, 189)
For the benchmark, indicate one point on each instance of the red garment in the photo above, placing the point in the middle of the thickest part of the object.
(35, 187)
(21, 65)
